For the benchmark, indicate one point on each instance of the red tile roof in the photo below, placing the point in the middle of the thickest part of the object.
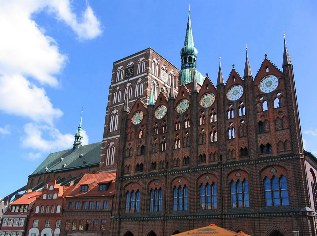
(93, 181)
(27, 198)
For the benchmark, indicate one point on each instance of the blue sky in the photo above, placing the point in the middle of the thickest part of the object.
(56, 57)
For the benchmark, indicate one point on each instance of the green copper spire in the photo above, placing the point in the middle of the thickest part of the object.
(79, 134)
(189, 52)
(189, 56)
(151, 98)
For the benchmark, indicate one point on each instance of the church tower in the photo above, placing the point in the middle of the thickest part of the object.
(133, 79)
(189, 58)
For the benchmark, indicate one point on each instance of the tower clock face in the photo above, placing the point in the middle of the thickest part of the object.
(182, 106)
(137, 117)
(235, 92)
(160, 112)
(207, 100)
(268, 84)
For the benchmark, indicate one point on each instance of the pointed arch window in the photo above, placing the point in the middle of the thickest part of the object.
(202, 119)
(185, 161)
(133, 199)
(177, 142)
(180, 196)
(163, 145)
(239, 193)
(266, 149)
(156, 200)
(213, 116)
(119, 75)
(241, 109)
(230, 112)
(231, 131)
(141, 66)
(213, 135)
(278, 100)
(265, 106)
(276, 191)
(186, 141)
(208, 196)
(202, 137)
(244, 152)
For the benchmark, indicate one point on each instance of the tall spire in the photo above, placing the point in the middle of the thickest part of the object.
(247, 68)
(79, 134)
(189, 52)
(151, 98)
(286, 56)
(220, 76)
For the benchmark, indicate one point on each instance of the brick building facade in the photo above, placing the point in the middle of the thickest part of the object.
(197, 153)
(88, 205)
(184, 152)
(46, 215)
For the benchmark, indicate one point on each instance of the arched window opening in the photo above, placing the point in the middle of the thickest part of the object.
(208, 196)
(278, 100)
(230, 112)
(177, 143)
(155, 129)
(231, 131)
(239, 194)
(133, 201)
(244, 152)
(202, 137)
(140, 133)
(276, 192)
(186, 141)
(163, 145)
(202, 158)
(186, 161)
(213, 135)
(156, 200)
(277, 233)
(153, 166)
(264, 106)
(202, 119)
(265, 149)
(180, 196)
(241, 109)
(213, 116)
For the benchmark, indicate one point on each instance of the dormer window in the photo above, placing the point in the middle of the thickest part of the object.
(103, 187)
(84, 188)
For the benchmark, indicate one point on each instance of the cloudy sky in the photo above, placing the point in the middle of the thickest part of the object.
(56, 58)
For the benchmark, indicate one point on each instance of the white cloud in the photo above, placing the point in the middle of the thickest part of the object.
(87, 27)
(46, 138)
(5, 130)
(31, 59)
(21, 98)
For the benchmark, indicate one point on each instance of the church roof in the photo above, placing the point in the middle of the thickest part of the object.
(81, 157)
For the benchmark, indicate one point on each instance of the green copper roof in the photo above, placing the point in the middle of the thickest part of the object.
(187, 76)
(189, 56)
(189, 46)
(83, 156)
(189, 38)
